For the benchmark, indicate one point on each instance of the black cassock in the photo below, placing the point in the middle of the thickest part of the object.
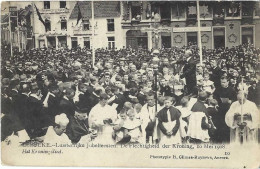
(222, 94)
(76, 129)
(162, 117)
(38, 118)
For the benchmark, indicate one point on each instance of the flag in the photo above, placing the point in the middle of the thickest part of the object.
(79, 15)
(39, 15)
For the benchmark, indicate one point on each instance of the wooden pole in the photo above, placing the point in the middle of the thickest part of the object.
(199, 32)
(93, 34)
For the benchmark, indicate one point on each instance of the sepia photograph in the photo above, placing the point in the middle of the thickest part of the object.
(130, 83)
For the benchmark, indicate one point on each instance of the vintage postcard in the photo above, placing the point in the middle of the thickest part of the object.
(157, 84)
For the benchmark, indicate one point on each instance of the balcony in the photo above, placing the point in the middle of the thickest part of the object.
(54, 11)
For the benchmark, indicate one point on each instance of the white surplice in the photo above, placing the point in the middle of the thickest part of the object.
(251, 130)
(96, 119)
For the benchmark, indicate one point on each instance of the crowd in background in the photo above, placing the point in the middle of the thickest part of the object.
(130, 95)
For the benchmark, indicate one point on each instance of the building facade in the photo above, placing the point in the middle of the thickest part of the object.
(166, 24)
(55, 30)
(16, 26)
(107, 25)
(146, 24)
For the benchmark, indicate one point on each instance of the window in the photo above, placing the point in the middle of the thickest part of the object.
(62, 4)
(46, 4)
(165, 11)
(111, 42)
(41, 43)
(233, 9)
(178, 11)
(63, 24)
(74, 42)
(47, 25)
(110, 25)
(136, 12)
(247, 35)
(85, 25)
(86, 42)
(257, 9)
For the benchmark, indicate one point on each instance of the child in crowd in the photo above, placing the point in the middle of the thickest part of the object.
(208, 85)
(118, 133)
(212, 113)
(132, 127)
(137, 110)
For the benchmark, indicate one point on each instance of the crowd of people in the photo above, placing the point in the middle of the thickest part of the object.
(131, 96)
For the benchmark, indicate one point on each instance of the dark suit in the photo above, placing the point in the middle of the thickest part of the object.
(215, 76)
(92, 100)
(165, 90)
(120, 100)
(189, 73)
(52, 110)
(67, 107)
(142, 98)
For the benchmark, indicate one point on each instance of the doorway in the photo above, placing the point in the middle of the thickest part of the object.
(192, 38)
(136, 39)
(166, 41)
(247, 35)
(219, 37)
(51, 42)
